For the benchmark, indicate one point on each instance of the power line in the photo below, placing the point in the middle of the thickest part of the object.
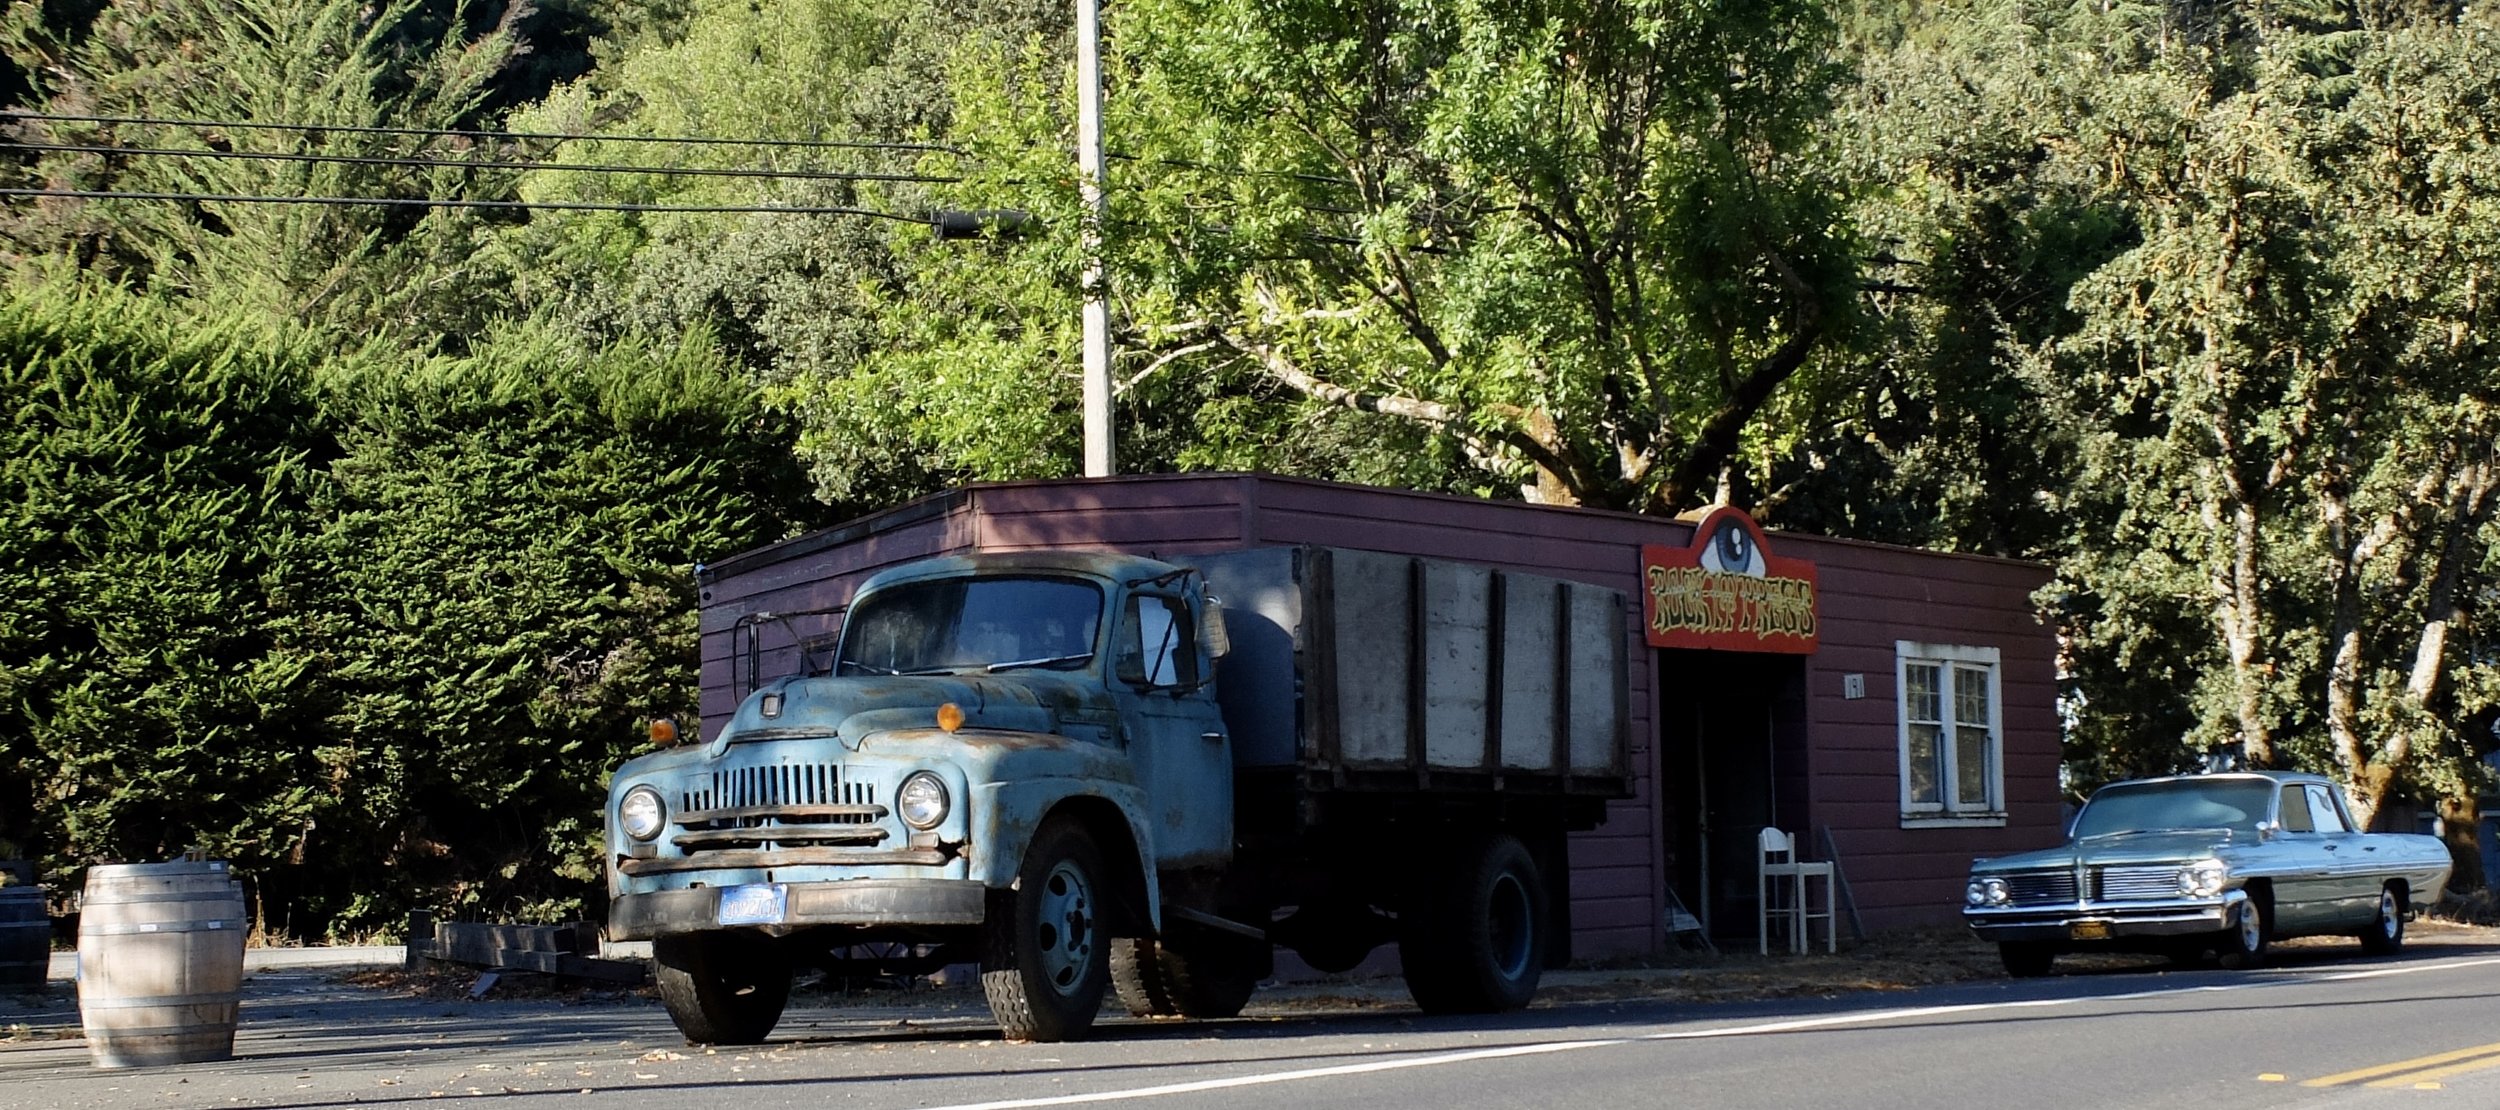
(427, 202)
(346, 129)
(446, 163)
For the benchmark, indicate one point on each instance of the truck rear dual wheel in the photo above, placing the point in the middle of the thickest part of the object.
(722, 988)
(1045, 959)
(1201, 979)
(1472, 939)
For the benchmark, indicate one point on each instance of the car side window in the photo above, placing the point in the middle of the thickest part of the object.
(2322, 809)
(2296, 811)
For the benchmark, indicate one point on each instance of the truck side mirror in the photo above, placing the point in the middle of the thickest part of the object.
(1219, 642)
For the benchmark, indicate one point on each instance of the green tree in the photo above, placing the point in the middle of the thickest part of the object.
(1579, 249)
(2281, 399)
(318, 63)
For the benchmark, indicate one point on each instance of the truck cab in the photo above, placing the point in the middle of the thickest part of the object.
(1000, 758)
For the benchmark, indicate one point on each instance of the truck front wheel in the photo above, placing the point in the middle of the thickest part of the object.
(1472, 939)
(1045, 959)
(721, 988)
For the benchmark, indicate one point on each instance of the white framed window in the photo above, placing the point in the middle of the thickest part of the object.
(1952, 734)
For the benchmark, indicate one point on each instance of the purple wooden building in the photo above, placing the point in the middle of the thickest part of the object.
(1894, 708)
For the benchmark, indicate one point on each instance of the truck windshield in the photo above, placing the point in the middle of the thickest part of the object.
(2176, 804)
(953, 625)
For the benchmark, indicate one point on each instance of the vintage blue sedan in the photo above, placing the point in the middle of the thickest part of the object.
(2198, 865)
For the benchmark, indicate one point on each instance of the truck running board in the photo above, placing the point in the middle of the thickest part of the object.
(1208, 920)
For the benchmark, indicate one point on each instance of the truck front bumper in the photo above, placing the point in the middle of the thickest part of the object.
(2102, 921)
(850, 902)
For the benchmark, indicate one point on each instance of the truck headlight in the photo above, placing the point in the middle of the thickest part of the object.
(2204, 878)
(922, 801)
(641, 813)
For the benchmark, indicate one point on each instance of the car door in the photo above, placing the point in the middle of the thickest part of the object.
(2357, 874)
(2305, 882)
(1173, 729)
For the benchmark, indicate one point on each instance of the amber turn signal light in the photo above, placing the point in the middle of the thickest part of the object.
(663, 732)
(950, 716)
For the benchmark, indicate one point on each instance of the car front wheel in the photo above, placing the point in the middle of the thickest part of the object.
(2243, 945)
(2386, 935)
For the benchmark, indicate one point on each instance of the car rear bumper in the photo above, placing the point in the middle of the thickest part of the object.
(850, 902)
(2088, 922)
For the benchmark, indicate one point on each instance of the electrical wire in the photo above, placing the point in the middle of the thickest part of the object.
(427, 202)
(446, 163)
(347, 129)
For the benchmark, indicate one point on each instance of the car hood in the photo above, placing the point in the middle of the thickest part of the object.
(2119, 849)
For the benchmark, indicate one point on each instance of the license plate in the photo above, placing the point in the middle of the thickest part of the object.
(754, 904)
(2081, 930)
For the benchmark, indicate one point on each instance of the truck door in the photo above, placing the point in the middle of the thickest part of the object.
(1174, 730)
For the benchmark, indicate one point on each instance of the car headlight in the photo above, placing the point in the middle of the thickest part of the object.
(2204, 878)
(1986, 892)
(641, 813)
(922, 801)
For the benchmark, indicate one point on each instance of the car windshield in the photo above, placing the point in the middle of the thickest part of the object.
(2237, 804)
(953, 625)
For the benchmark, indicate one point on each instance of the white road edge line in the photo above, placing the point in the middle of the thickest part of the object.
(1789, 1026)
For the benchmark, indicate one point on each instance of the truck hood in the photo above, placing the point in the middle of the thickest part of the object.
(856, 706)
(2152, 846)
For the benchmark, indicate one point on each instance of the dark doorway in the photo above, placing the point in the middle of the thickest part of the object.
(1731, 760)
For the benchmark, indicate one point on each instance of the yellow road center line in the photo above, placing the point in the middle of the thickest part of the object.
(2418, 1063)
(2426, 1080)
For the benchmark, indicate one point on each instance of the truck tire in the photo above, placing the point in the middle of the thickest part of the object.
(721, 988)
(1202, 980)
(1472, 939)
(1045, 959)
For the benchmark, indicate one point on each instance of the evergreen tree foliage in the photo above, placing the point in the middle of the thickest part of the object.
(155, 693)
(320, 63)
(374, 631)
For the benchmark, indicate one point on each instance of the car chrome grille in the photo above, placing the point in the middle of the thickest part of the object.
(2135, 884)
(2040, 888)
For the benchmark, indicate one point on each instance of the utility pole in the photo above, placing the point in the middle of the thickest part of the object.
(1089, 180)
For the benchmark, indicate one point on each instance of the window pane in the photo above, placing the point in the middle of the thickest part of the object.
(1926, 764)
(2296, 810)
(1970, 756)
(1970, 696)
(1922, 701)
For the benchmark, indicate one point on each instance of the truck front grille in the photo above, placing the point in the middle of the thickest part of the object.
(812, 787)
(784, 804)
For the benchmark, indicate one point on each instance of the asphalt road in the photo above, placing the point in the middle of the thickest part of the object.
(2322, 1028)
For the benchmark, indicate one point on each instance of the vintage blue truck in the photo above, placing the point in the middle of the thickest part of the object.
(1085, 770)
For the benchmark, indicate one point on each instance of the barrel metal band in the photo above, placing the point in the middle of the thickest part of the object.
(135, 928)
(150, 1001)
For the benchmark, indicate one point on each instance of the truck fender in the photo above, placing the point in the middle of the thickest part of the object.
(1006, 814)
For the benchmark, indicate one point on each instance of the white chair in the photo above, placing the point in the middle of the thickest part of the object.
(1780, 868)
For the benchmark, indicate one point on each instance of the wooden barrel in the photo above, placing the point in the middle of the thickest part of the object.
(160, 962)
(25, 938)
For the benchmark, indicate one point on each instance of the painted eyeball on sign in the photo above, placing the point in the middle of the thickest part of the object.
(1732, 551)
